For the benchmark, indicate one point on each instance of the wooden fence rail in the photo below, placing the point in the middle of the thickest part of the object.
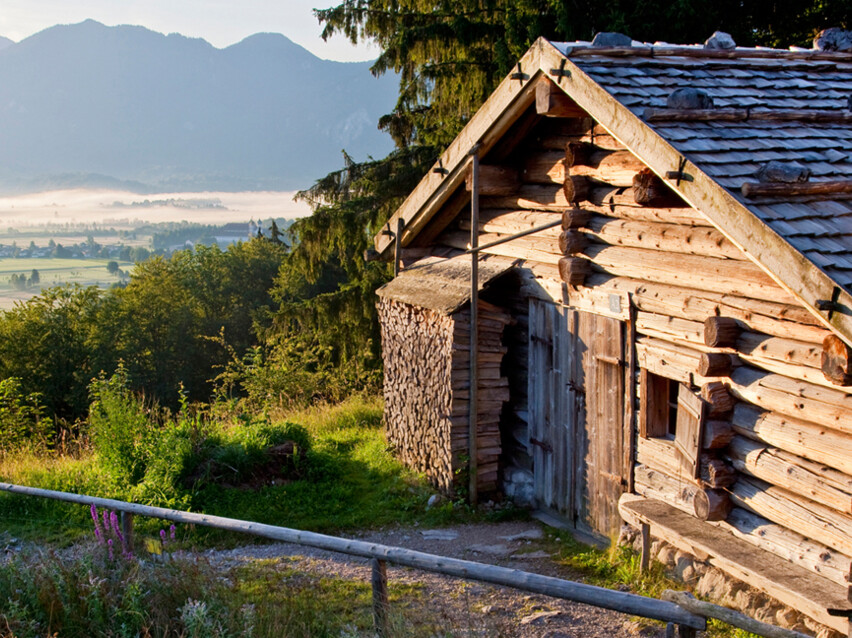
(623, 602)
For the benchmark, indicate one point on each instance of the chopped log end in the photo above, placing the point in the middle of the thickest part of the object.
(836, 361)
(574, 270)
(719, 399)
(717, 434)
(551, 101)
(575, 218)
(498, 181)
(572, 242)
(576, 188)
(721, 332)
(712, 505)
(577, 153)
(650, 190)
(714, 364)
(716, 473)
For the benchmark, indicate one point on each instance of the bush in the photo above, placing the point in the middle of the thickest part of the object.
(165, 459)
(22, 421)
(120, 429)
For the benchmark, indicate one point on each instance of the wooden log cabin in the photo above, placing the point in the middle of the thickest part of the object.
(664, 303)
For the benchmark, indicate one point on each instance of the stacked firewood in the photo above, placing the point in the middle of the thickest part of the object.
(492, 392)
(427, 391)
(417, 348)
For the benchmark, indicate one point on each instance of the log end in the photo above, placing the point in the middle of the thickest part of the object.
(574, 270)
(836, 360)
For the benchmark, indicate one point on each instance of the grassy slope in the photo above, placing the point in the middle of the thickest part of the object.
(354, 483)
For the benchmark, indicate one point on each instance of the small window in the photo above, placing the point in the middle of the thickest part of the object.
(671, 410)
(658, 413)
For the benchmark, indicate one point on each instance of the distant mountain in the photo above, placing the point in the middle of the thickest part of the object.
(87, 103)
(5, 42)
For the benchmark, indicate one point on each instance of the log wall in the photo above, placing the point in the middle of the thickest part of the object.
(703, 315)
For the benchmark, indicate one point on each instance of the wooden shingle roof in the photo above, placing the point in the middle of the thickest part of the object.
(776, 99)
(732, 151)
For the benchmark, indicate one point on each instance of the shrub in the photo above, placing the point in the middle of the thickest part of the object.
(121, 431)
(165, 459)
(22, 421)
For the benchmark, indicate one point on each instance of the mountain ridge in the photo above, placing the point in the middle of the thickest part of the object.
(163, 110)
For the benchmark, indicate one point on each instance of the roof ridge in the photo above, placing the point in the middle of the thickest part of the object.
(573, 49)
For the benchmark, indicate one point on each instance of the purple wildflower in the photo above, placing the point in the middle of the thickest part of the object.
(109, 547)
(163, 536)
(105, 514)
(172, 532)
(98, 533)
(113, 519)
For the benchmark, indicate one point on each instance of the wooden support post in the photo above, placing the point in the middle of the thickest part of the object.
(645, 556)
(474, 328)
(397, 246)
(127, 531)
(670, 630)
(380, 597)
(685, 632)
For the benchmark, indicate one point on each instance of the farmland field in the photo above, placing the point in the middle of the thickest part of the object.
(52, 272)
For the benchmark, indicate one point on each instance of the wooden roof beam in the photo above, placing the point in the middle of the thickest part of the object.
(799, 189)
(742, 115)
(508, 102)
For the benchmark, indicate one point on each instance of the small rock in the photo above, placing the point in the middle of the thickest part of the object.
(783, 172)
(787, 617)
(610, 39)
(712, 585)
(439, 534)
(435, 499)
(688, 575)
(834, 39)
(666, 556)
(495, 550)
(539, 617)
(688, 98)
(527, 535)
(720, 40)
(530, 556)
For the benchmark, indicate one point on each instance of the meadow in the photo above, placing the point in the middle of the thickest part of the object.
(53, 272)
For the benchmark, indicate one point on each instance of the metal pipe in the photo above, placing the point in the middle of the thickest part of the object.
(508, 238)
(474, 327)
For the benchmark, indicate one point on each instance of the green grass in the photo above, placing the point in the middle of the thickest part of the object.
(352, 482)
(619, 568)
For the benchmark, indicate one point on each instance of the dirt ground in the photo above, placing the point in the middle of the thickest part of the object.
(458, 607)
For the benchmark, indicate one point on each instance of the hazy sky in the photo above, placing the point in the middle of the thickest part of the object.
(220, 22)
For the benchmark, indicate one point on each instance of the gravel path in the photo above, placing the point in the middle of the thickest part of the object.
(463, 608)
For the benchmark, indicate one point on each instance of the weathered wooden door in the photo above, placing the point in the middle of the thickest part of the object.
(576, 409)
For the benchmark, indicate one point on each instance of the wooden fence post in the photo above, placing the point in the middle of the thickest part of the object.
(127, 531)
(380, 597)
(645, 557)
